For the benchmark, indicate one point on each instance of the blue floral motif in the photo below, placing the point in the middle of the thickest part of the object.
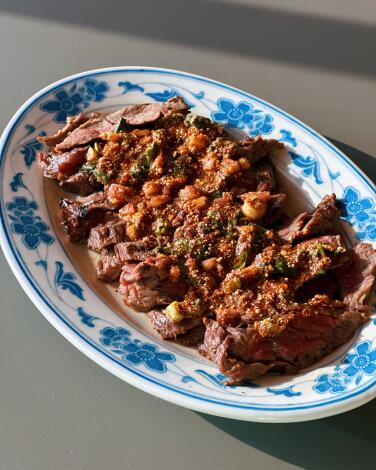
(163, 95)
(33, 231)
(30, 148)
(25, 223)
(93, 91)
(86, 318)
(362, 361)
(70, 102)
(368, 232)
(199, 95)
(243, 115)
(357, 209)
(66, 281)
(309, 164)
(286, 136)
(354, 366)
(287, 392)
(115, 337)
(29, 128)
(17, 182)
(21, 206)
(326, 383)
(66, 103)
(129, 86)
(42, 263)
(145, 353)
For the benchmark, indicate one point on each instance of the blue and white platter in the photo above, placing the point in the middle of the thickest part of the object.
(59, 277)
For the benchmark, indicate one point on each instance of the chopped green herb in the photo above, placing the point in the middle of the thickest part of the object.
(241, 261)
(123, 126)
(163, 227)
(282, 267)
(141, 168)
(164, 250)
(151, 152)
(216, 143)
(200, 122)
(201, 252)
(180, 247)
(180, 168)
(215, 194)
(232, 284)
(88, 167)
(91, 167)
(102, 177)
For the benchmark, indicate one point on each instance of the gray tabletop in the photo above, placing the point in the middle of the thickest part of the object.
(59, 410)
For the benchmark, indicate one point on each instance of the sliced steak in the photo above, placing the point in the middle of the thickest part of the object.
(274, 209)
(72, 123)
(135, 115)
(256, 147)
(357, 277)
(60, 166)
(242, 353)
(109, 266)
(169, 329)
(136, 251)
(265, 177)
(147, 284)
(320, 220)
(81, 183)
(79, 216)
(104, 235)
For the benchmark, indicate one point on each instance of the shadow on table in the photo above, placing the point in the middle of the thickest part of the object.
(364, 161)
(341, 442)
(346, 441)
(250, 30)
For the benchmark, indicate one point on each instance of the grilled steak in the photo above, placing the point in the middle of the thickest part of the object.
(191, 223)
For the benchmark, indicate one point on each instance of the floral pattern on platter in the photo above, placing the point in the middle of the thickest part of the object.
(360, 212)
(243, 115)
(30, 148)
(71, 101)
(286, 136)
(17, 182)
(135, 351)
(25, 223)
(354, 367)
(309, 165)
(66, 281)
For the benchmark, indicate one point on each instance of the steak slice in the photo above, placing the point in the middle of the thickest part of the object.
(313, 332)
(357, 277)
(265, 177)
(80, 215)
(109, 233)
(147, 284)
(274, 209)
(60, 166)
(169, 329)
(136, 251)
(320, 220)
(81, 183)
(257, 147)
(135, 115)
(109, 266)
(72, 123)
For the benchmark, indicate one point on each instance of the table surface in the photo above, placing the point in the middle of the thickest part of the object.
(59, 410)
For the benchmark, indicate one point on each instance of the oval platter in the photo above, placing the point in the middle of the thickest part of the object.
(60, 277)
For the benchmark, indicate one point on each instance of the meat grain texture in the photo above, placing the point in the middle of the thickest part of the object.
(191, 224)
